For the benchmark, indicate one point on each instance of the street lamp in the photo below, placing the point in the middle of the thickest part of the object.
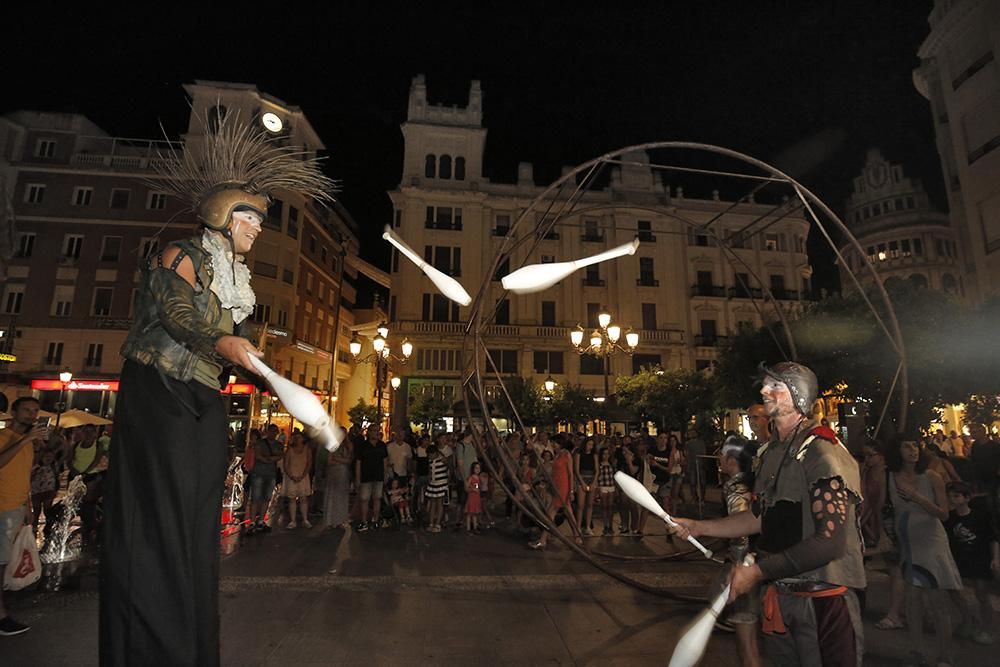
(381, 357)
(549, 384)
(604, 342)
(64, 378)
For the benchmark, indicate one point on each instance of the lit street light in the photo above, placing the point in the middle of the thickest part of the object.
(381, 357)
(604, 343)
(64, 378)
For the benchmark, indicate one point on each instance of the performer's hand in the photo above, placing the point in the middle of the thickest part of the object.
(742, 579)
(684, 528)
(238, 350)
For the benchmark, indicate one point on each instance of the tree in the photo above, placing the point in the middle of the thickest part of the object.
(426, 409)
(982, 409)
(573, 404)
(669, 398)
(529, 401)
(363, 414)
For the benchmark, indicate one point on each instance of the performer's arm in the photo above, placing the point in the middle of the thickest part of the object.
(173, 292)
(740, 524)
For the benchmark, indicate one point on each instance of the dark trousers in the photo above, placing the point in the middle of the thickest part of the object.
(159, 578)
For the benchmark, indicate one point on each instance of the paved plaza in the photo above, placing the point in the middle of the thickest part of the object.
(405, 597)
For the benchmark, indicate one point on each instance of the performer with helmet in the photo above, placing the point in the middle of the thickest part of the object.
(806, 493)
(160, 547)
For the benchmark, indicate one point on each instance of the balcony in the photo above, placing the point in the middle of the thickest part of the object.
(443, 225)
(597, 237)
(418, 327)
(594, 282)
(744, 293)
(647, 281)
(708, 341)
(646, 237)
(708, 290)
(501, 231)
(785, 294)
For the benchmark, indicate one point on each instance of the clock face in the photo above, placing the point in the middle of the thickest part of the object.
(271, 122)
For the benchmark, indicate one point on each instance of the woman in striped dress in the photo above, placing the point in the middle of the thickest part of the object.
(437, 488)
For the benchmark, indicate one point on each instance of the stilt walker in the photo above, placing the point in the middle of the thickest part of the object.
(159, 576)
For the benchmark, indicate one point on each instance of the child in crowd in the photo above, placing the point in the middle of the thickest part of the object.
(296, 483)
(473, 502)
(526, 473)
(977, 554)
(485, 489)
(437, 488)
(736, 462)
(399, 497)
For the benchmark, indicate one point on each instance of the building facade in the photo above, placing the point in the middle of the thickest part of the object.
(88, 214)
(960, 77)
(900, 232)
(679, 291)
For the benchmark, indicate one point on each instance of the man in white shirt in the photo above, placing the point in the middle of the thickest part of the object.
(400, 457)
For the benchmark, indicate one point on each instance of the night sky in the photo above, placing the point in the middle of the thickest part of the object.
(562, 84)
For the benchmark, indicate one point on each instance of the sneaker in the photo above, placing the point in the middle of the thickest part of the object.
(306, 524)
(362, 527)
(9, 627)
(292, 525)
(588, 532)
(983, 638)
(623, 531)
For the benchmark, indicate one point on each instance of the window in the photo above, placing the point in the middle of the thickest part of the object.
(774, 241)
(149, 246)
(649, 316)
(322, 255)
(460, 169)
(548, 362)
(645, 231)
(707, 331)
(82, 196)
(592, 277)
(111, 248)
(397, 218)
(430, 166)
(273, 218)
(120, 197)
(45, 148)
(918, 247)
(156, 201)
(34, 193)
(505, 360)
(592, 310)
(293, 222)
(262, 313)
(13, 297)
(72, 244)
(905, 243)
(53, 357)
(939, 247)
(737, 240)
(444, 166)
(742, 285)
(548, 259)
(437, 308)
(703, 240)
(95, 354)
(312, 244)
(282, 318)
(591, 365)
(893, 250)
(592, 231)
(777, 285)
(646, 273)
(647, 360)
(309, 282)
(321, 291)
(502, 224)
(443, 217)
(62, 301)
(102, 301)
(25, 244)
(548, 313)
(503, 312)
(445, 258)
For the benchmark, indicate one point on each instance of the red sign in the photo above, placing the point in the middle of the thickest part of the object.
(75, 385)
(238, 388)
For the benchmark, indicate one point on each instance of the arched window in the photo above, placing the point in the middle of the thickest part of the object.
(918, 280)
(444, 166)
(430, 165)
(460, 169)
(949, 284)
(215, 116)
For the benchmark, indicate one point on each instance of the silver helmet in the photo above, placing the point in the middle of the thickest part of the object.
(799, 379)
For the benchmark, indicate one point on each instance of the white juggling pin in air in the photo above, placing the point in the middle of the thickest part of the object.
(536, 277)
(450, 287)
(303, 405)
(634, 489)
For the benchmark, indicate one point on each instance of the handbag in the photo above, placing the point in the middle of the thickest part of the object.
(889, 514)
(25, 567)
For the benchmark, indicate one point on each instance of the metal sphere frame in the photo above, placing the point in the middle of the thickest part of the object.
(567, 198)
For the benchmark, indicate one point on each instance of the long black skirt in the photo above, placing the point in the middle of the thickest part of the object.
(159, 578)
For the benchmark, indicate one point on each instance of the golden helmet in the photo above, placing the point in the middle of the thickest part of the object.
(215, 210)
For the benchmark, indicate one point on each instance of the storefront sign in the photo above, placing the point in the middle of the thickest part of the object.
(75, 385)
(306, 347)
(276, 332)
(8, 357)
(238, 388)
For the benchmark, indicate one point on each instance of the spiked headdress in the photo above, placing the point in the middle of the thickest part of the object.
(237, 168)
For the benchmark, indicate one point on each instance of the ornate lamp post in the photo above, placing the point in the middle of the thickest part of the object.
(604, 343)
(64, 378)
(381, 357)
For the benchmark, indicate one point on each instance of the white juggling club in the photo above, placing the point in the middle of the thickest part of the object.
(536, 277)
(450, 287)
(691, 646)
(634, 489)
(303, 405)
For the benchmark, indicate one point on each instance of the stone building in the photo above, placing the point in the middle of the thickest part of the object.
(85, 219)
(679, 291)
(960, 77)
